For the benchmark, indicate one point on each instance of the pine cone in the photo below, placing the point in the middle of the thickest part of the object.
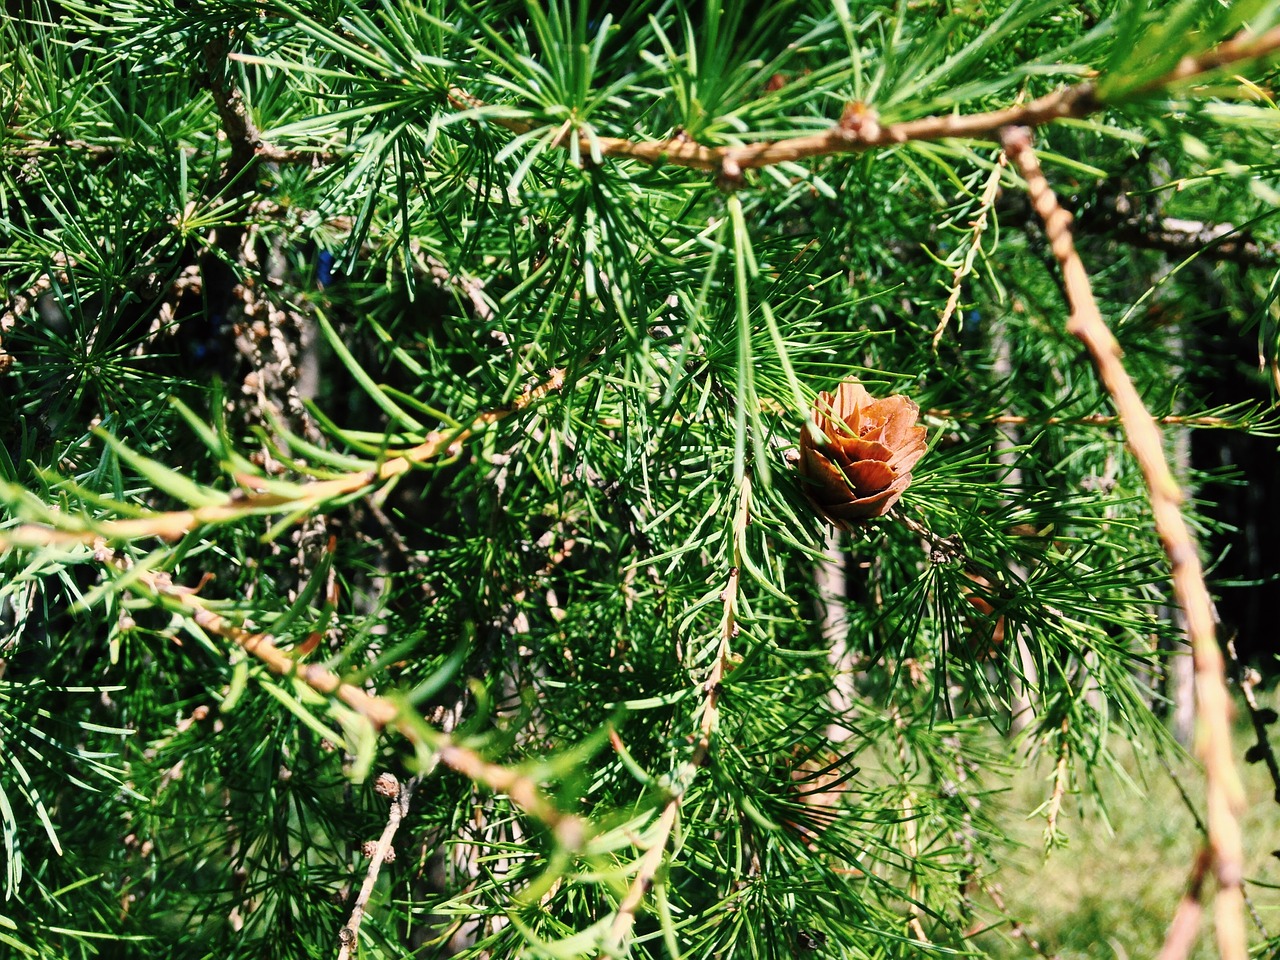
(864, 462)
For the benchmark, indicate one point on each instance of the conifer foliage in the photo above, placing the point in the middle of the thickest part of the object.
(579, 479)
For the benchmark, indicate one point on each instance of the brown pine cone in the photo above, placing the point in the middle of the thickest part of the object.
(863, 464)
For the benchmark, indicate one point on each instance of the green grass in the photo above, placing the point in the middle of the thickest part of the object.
(1112, 890)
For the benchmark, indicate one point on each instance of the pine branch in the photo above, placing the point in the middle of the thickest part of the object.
(987, 201)
(1180, 939)
(380, 711)
(254, 496)
(859, 128)
(1087, 420)
(709, 714)
(1247, 678)
(1186, 238)
(1223, 787)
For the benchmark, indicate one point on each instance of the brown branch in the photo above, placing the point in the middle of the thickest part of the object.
(381, 853)
(911, 828)
(1060, 775)
(21, 303)
(34, 147)
(1243, 46)
(241, 131)
(1203, 831)
(859, 128)
(1017, 930)
(647, 869)
(1224, 792)
(1181, 936)
(241, 503)
(274, 154)
(1185, 238)
(1089, 420)
(381, 712)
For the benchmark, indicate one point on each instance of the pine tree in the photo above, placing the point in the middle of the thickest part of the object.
(579, 479)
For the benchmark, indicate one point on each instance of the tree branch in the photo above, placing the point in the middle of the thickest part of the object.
(1247, 678)
(381, 712)
(1224, 792)
(859, 128)
(1185, 238)
(257, 499)
(624, 918)
(400, 794)
(1208, 421)
(989, 194)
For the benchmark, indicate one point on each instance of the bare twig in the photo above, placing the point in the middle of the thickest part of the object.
(349, 936)
(1247, 679)
(1224, 792)
(859, 129)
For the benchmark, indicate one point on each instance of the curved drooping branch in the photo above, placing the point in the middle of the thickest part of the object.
(1223, 789)
(253, 496)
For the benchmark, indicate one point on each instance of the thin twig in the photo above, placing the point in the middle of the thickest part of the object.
(1203, 831)
(859, 129)
(831, 578)
(1088, 420)
(1243, 46)
(1224, 792)
(35, 147)
(254, 497)
(381, 712)
(1186, 238)
(1016, 928)
(647, 869)
(1060, 777)
(21, 303)
(349, 936)
(1181, 936)
(911, 828)
(31, 146)
(1246, 679)
(989, 194)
